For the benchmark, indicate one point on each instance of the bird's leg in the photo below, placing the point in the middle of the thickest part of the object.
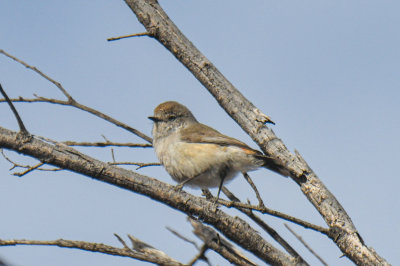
(222, 175)
(219, 188)
(184, 182)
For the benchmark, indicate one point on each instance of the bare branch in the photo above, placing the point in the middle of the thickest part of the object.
(128, 36)
(269, 211)
(58, 85)
(71, 101)
(142, 247)
(21, 125)
(253, 186)
(252, 120)
(63, 156)
(265, 226)
(182, 237)
(85, 108)
(212, 239)
(107, 144)
(94, 247)
(306, 245)
(30, 169)
(200, 256)
(140, 165)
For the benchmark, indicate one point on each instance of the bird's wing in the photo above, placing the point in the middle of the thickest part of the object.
(199, 133)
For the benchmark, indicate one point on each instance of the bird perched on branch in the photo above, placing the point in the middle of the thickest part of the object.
(196, 154)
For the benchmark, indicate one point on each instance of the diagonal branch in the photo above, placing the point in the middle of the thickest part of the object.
(63, 156)
(265, 226)
(71, 101)
(58, 85)
(85, 108)
(306, 245)
(22, 127)
(252, 120)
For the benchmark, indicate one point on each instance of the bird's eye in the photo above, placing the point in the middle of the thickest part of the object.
(171, 117)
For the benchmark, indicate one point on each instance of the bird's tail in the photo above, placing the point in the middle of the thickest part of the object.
(273, 164)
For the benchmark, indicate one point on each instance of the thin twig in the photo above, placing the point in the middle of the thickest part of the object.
(72, 102)
(253, 186)
(21, 125)
(106, 144)
(265, 226)
(128, 36)
(200, 256)
(305, 244)
(94, 247)
(85, 108)
(182, 237)
(202, 250)
(140, 165)
(269, 211)
(220, 245)
(30, 169)
(122, 241)
(58, 85)
(15, 165)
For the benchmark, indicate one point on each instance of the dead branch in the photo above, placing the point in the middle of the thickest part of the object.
(71, 101)
(128, 36)
(212, 240)
(306, 245)
(269, 211)
(252, 120)
(95, 247)
(253, 186)
(202, 250)
(140, 165)
(65, 157)
(106, 144)
(21, 125)
(265, 226)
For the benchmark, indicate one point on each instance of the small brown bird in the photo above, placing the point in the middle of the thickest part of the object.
(198, 155)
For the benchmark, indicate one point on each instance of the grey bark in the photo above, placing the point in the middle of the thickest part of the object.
(252, 120)
(65, 157)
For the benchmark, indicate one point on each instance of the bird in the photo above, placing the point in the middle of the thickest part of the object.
(197, 155)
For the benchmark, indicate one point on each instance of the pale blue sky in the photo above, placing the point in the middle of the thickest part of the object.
(327, 72)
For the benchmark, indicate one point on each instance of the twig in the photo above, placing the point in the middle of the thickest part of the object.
(107, 144)
(215, 242)
(73, 102)
(21, 125)
(30, 169)
(122, 241)
(140, 165)
(150, 251)
(269, 211)
(15, 165)
(94, 247)
(85, 108)
(305, 244)
(248, 179)
(200, 256)
(202, 249)
(265, 226)
(128, 36)
(58, 85)
(182, 237)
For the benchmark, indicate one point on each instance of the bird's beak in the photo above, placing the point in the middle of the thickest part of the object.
(154, 119)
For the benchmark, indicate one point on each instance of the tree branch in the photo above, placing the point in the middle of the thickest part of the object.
(252, 120)
(95, 247)
(71, 101)
(63, 156)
